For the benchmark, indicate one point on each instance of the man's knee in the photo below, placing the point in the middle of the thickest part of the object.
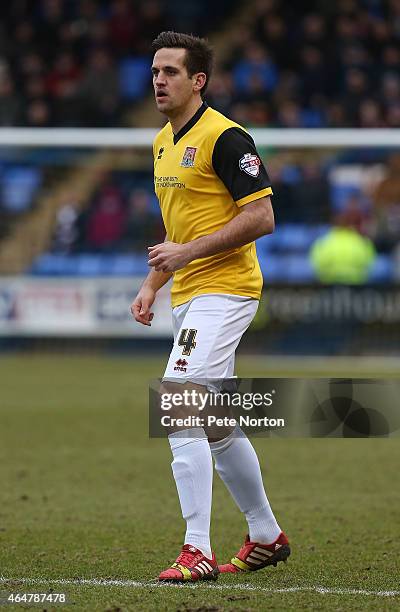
(182, 402)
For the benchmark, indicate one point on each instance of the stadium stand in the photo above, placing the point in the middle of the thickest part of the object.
(306, 64)
(309, 64)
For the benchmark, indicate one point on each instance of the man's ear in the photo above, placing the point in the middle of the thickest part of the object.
(199, 80)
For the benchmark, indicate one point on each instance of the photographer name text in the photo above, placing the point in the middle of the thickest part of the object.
(211, 420)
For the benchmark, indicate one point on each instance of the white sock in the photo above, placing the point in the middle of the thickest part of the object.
(193, 473)
(237, 464)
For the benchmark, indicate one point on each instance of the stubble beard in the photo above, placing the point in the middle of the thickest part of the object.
(170, 110)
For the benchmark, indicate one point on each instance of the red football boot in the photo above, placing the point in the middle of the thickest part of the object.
(253, 556)
(191, 565)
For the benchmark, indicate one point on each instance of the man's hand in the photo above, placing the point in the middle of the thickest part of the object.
(169, 256)
(140, 308)
(254, 220)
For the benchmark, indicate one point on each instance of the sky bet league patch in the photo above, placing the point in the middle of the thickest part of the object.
(250, 164)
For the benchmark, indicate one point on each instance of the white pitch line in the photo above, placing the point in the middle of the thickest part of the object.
(219, 587)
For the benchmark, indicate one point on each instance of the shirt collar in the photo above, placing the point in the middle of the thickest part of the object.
(191, 122)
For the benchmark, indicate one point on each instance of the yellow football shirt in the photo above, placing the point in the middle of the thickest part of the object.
(202, 176)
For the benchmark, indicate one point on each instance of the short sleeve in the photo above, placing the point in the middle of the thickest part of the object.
(236, 162)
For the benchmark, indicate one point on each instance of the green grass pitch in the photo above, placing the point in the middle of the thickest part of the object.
(86, 495)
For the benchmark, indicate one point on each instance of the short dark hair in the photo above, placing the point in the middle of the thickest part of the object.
(199, 54)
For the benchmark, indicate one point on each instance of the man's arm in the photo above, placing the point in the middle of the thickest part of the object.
(254, 220)
(144, 300)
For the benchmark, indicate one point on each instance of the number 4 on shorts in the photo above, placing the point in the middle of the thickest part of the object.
(186, 339)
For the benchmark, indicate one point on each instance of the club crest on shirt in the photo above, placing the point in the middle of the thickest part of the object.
(188, 157)
(250, 164)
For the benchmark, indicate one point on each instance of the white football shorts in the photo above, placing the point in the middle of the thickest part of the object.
(207, 331)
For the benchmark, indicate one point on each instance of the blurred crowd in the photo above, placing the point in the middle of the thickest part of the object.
(120, 219)
(309, 198)
(83, 62)
(313, 63)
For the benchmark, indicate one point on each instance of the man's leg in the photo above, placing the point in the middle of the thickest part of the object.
(237, 464)
(193, 473)
(198, 355)
(192, 464)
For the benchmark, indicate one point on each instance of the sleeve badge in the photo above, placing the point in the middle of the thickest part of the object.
(250, 164)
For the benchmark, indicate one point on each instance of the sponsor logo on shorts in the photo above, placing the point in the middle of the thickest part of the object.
(188, 157)
(250, 164)
(180, 365)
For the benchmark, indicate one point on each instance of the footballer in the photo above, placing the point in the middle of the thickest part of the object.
(214, 194)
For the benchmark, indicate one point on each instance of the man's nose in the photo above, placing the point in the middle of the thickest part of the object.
(160, 79)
